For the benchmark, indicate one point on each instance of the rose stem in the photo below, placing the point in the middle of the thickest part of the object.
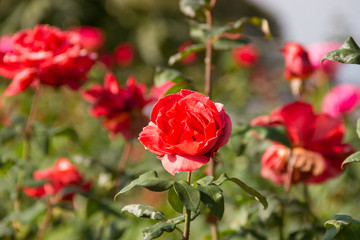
(208, 66)
(28, 127)
(282, 216)
(122, 163)
(44, 225)
(186, 233)
(26, 152)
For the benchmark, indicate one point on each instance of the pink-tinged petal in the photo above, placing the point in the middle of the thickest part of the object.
(37, 192)
(342, 99)
(21, 81)
(42, 174)
(227, 126)
(316, 52)
(159, 91)
(150, 138)
(111, 84)
(176, 163)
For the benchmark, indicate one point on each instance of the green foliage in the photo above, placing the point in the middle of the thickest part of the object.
(175, 201)
(211, 195)
(143, 211)
(242, 134)
(192, 8)
(348, 53)
(149, 180)
(186, 52)
(164, 75)
(188, 195)
(352, 158)
(157, 230)
(249, 190)
(342, 227)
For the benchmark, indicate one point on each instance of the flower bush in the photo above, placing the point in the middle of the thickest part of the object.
(45, 55)
(217, 178)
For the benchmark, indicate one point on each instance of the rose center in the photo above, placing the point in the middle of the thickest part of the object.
(305, 164)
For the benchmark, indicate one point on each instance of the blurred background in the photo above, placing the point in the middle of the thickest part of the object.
(155, 30)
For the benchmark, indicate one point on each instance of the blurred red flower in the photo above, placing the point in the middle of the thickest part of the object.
(124, 54)
(297, 63)
(342, 99)
(45, 55)
(191, 58)
(317, 149)
(120, 107)
(60, 177)
(185, 131)
(91, 38)
(246, 56)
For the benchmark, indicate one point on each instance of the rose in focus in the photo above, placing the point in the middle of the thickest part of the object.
(59, 177)
(121, 108)
(45, 55)
(317, 150)
(186, 130)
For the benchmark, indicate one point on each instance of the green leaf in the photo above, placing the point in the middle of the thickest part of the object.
(188, 195)
(65, 131)
(7, 134)
(186, 52)
(274, 133)
(342, 227)
(358, 127)
(163, 75)
(258, 196)
(174, 201)
(157, 230)
(352, 158)
(205, 180)
(191, 8)
(149, 180)
(144, 211)
(181, 219)
(211, 195)
(239, 26)
(348, 53)
(228, 44)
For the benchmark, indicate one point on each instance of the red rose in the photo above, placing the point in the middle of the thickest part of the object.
(185, 131)
(246, 55)
(297, 63)
(62, 175)
(124, 54)
(45, 55)
(91, 38)
(317, 150)
(122, 108)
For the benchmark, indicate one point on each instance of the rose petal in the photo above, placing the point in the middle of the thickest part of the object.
(227, 126)
(111, 84)
(176, 163)
(150, 138)
(21, 81)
